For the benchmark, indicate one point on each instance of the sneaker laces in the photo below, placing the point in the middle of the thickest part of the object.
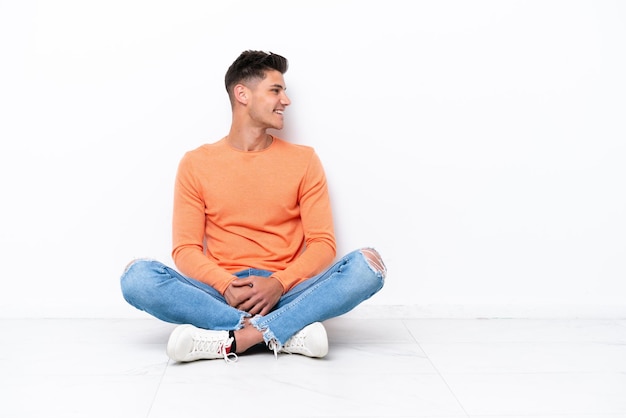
(273, 345)
(296, 341)
(214, 345)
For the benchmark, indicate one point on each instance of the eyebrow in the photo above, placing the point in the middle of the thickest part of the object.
(279, 86)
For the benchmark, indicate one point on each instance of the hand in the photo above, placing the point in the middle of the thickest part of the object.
(255, 295)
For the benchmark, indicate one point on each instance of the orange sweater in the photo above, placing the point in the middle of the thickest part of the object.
(235, 210)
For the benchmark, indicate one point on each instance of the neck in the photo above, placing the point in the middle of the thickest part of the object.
(256, 142)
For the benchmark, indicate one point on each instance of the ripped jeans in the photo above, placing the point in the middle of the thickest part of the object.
(164, 293)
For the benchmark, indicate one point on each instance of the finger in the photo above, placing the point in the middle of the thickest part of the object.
(257, 310)
(242, 283)
(247, 306)
(254, 308)
(243, 297)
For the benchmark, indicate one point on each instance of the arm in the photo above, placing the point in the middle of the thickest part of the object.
(188, 226)
(317, 222)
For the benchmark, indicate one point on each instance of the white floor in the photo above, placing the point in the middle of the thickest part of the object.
(376, 368)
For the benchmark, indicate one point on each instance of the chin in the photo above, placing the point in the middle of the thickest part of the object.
(277, 127)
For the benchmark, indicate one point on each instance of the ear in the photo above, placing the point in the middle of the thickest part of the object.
(241, 93)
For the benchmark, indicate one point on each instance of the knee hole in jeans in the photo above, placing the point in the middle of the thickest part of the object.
(374, 260)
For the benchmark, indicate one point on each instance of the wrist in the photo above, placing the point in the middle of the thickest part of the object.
(282, 287)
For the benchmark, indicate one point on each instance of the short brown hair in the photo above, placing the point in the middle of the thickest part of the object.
(251, 65)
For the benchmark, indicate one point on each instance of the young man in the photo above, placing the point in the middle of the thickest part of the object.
(253, 237)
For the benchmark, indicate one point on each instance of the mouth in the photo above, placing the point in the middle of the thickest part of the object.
(279, 111)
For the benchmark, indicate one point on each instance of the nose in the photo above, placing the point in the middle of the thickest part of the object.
(285, 100)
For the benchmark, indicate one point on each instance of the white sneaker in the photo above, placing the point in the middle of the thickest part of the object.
(310, 341)
(189, 343)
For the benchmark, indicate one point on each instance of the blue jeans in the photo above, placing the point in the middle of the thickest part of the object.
(164, 293)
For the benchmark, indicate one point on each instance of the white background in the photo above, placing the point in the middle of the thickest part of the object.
(479, 145)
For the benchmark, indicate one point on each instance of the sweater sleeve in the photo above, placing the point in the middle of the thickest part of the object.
(317, 222)
(188, 231)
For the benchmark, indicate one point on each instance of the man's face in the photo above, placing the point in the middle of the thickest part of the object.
(268, 101)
